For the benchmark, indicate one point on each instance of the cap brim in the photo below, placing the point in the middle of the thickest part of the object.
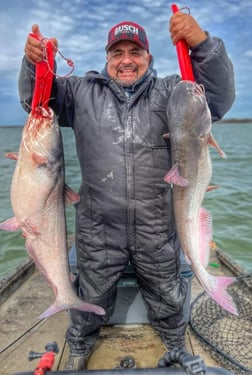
(108, 46)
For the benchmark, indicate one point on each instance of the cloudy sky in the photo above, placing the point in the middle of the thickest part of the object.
(81, 28)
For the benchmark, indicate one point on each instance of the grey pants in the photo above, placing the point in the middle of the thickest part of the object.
(162, 288)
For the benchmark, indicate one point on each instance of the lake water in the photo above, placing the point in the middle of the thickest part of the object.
(230, 205)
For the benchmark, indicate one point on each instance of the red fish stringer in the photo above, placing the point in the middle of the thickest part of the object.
(44, 76)
(184, 59)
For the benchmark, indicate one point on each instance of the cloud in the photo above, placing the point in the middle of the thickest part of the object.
(248, 53)
(81, 28)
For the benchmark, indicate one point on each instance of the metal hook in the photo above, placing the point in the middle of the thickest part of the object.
(187, 8)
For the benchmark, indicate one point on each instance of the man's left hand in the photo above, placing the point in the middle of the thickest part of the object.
(183, 26)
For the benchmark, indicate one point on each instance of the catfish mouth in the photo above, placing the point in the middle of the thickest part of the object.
(198, 89)
(194, 88)
(47, 113)
(39, 125)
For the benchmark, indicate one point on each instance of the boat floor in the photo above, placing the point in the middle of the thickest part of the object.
(21, 332)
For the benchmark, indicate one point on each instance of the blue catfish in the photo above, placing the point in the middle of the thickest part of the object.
(38, 197)
(190, 135)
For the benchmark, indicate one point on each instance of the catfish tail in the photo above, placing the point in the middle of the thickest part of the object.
(216, 288)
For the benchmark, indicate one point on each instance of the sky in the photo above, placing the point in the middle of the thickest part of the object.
(81, 28)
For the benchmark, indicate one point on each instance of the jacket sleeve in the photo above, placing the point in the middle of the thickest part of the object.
(213, 68)
(26, 83)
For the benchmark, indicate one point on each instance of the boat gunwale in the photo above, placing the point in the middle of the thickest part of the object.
(13, 280)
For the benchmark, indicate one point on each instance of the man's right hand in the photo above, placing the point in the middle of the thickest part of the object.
(34, 46)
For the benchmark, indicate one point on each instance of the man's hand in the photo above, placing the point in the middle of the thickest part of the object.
(183, 26)
(34, 46)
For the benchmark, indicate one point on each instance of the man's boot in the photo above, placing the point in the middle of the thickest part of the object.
(77, 362)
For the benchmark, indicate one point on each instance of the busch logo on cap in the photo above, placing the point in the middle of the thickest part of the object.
(127, 31)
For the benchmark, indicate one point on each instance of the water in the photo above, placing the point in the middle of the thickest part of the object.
(230, 205)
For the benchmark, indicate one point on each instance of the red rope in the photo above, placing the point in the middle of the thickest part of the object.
(44, 76)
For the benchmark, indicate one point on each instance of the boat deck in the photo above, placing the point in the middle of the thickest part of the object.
(21, 331)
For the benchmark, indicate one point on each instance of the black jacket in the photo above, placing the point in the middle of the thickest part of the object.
(122, 154)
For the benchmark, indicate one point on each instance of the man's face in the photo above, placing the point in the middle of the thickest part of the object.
(127, 62)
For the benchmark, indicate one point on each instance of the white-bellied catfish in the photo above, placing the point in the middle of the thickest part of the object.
(38, 197)
(190, 135)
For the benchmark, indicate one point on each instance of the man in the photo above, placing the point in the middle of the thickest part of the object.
(125, 212)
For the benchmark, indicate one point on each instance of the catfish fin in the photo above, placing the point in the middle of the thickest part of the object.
(39, 159)
(71, 197)
(12, 155)
(174, 177)
(212, 141)
(57, 307)
(219, 293)
(205, 236)
(212, 187)
(10, 225)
